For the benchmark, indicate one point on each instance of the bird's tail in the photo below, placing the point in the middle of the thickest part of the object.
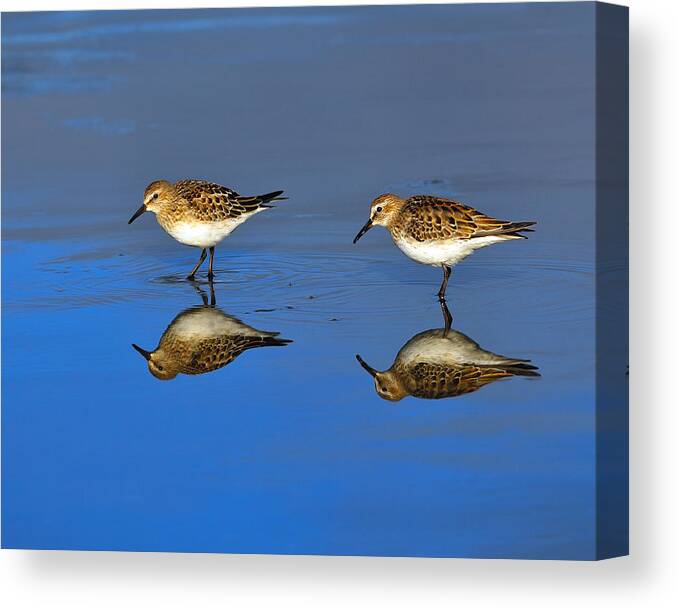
(257, 202)
(514, 229)
(274, 196)
(270, 341)
(523, 369)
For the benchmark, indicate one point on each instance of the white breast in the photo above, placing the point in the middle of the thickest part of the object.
(449, 251)
(433, 346)
(204, 234)
(449, 348)
(205, 323)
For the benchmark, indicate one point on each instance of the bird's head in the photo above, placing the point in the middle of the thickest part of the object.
(386, 383)
(157, 195)
(158, 366)
(382, 211)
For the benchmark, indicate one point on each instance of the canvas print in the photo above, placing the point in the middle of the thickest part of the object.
(340, 281)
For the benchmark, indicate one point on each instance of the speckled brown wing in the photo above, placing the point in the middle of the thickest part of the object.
(428, 218)
(206, 355)
(212, 202)
(428, 380)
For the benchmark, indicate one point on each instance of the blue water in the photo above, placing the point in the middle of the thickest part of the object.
(290, 449)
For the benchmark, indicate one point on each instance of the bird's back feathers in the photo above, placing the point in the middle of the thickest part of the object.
(429, 218)
(209, 201)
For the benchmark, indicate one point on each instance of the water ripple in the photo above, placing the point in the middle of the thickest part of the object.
(311, 286)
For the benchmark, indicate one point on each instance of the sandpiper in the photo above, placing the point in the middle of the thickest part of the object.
(200, 213)
(203, 339)
(442, 363)
(437, 231)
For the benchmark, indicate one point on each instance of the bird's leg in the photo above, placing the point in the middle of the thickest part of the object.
(203, 255)
(447, 316)
(210, 274)
(213, 297)
(446, 276)
(200, 292)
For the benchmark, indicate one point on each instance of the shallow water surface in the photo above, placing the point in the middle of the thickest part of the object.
(289, 449)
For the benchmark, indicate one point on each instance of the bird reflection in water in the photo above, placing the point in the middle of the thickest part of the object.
(442, 363)
(203, 339)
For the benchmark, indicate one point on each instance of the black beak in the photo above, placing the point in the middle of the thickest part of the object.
(136, 214)
(142, 351)
(366, 366)
(366, 227)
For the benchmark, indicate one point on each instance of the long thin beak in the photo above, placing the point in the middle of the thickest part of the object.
(136, 214)
(366, 366)
(366, 227)
(142, 351)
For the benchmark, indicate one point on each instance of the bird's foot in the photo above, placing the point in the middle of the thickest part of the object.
(191, 277)
(210, 276)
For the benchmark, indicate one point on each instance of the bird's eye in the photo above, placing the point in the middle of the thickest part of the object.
(155, 195)
(378, 208)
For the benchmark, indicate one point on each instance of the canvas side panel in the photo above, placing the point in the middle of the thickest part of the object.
(612, 285)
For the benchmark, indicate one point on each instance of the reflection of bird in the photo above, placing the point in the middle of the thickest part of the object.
(436, 231)
(202, 339)
(200, 213)
(442, 363)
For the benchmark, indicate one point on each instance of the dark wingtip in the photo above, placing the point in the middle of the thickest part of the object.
(275, 342)
(524, 370)
(522, 226)
(517, 229)
(274, 196)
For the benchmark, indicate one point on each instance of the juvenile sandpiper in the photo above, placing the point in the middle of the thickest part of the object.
(203, 339)
(200, 213)
(437, 231)
(442, 363)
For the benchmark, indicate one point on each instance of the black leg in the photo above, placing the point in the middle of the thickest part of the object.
(447, 316)
(446, 276)
(210, 275)
(203, 255)
(200, 292)
(213, 297)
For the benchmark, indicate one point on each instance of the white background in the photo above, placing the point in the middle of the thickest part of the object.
(649, 578)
